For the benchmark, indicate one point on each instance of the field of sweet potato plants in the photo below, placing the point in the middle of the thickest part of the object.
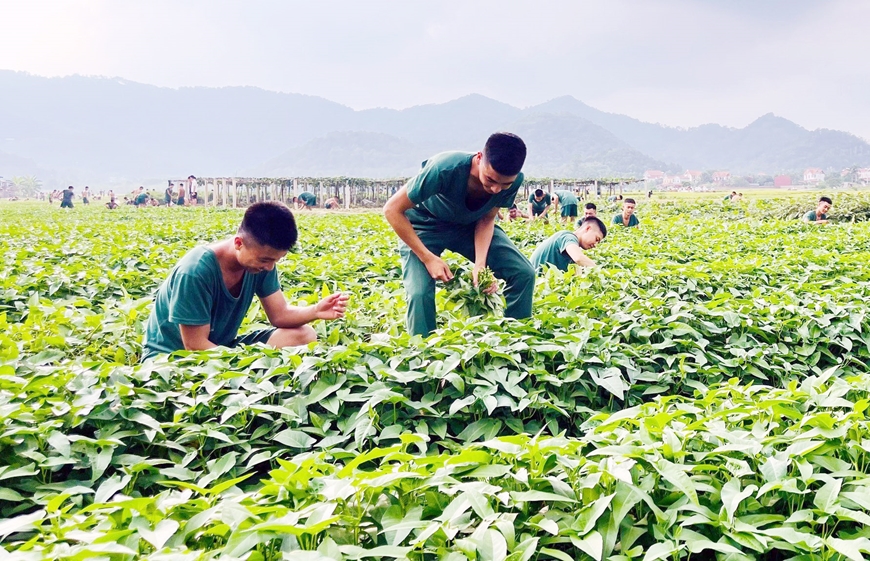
(702, 395)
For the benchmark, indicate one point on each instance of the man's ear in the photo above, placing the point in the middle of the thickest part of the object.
(237, 242)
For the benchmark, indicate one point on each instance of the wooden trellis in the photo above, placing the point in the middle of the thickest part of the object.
(363, 193)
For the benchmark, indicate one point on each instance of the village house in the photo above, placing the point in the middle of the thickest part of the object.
(863, 175)
(692, 175)
(721, 176)
(653, 176)
(813, 176)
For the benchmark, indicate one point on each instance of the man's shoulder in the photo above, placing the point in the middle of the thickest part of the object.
(447, 161)
(198, 261)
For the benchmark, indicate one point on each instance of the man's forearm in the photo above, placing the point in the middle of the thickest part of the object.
(483, 231)
(294, 316)
(403, 228)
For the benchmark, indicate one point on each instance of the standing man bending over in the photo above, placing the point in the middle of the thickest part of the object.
(452, 204)
(567, 201)
(207, 295)
(539, 204)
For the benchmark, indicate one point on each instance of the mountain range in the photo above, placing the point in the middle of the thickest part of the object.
(108, 130)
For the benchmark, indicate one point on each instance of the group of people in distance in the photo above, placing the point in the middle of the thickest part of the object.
(66, 196)
(308, 200)
(565, 202)
(452, 203)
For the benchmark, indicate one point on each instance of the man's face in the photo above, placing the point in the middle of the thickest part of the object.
(492, 181)
(256, 258)
(512, 213)
(589, 236)
(628, 208)
(540, 197)
(823, 207)
(589, 212)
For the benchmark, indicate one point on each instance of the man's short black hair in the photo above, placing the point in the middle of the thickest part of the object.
(270, 223)
(592, 206)
(505, 152)
(629, 201)
(597, 222)
(539, 192)
(826, 200)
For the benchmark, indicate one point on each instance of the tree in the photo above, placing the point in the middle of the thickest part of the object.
(27, 186)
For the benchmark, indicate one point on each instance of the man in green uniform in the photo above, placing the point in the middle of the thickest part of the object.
(590, 210)
(627, 217)
(568, 202)
(452, 204)
(539, 204)
(66, 201)
(306, 200)
(564, 248)
(820, 215)
(167, 195)
(207, 295)
(141, 198)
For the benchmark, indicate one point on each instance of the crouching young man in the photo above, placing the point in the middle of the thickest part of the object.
(452, 204)
(564, 248)
(207, 295)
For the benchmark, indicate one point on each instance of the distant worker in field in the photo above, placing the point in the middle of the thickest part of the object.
(452, 204)
(513, 213)
(202, 303)
(567, 201)
(820, 215)
(192, 190)
(67, 197)
(141, 198)
(181, 195)
(168, 195)
(112, 204)
(539, 204)
(731, 197)
(564, 248)
(626, 217)
(332, 203)
(306, 200)
(590, 211)
(86, 196)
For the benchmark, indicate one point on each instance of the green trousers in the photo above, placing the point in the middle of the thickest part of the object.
(505, 260)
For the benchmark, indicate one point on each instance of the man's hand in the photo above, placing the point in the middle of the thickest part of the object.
(492, 288)
(331, 307)
(438, 269)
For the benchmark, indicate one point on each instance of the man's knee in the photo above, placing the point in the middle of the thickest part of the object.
(293, 336)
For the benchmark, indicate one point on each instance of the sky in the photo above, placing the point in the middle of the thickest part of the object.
(676, 62)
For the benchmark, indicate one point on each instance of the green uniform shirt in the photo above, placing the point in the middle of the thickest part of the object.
(308, 198)
(539, 206)
(552, 251)
(633, 221)
(195, 294)
(811, 216)
(141, 198)
(67, 196)
(566, 198)
(440, 190)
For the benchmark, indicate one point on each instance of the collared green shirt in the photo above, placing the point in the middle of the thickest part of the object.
(439, 193)
(539, 206)
(566, 197)
(308, 198)
(552, 251)
(195, 294)
(812, 217)
(633, 221)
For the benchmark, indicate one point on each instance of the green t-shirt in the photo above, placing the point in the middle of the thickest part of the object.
(633, 221)
(308, 198)
(440, 190)
(811, 216)
(141, 198)
(67, 196)
(552, 251)
(566, 198)
(195, 294)
(539, 206)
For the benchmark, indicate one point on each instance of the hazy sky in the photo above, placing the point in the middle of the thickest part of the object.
(677, 62)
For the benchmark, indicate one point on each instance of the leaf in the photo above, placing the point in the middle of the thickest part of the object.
(492, 546)
(732, 496)
(591, 544)
(543, 496)
(661, 550)
(294, 439)
(826, 497)
(851, 549)
(676, 477)
(19, 523)
(164, 530)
